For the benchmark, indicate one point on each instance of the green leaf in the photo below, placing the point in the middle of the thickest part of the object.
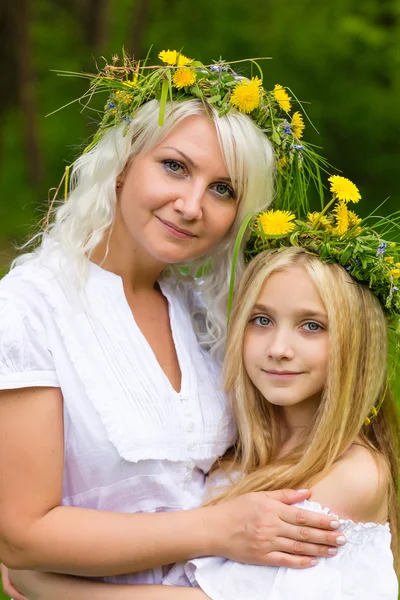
(163, 101)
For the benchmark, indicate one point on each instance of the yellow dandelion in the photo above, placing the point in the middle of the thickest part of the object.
(395, 273)
(388, 259)
(342, 218)
(246, 95)
(123, 97)
(316, 218)
(282, 162)
(276, 222)
(298, 124)
(183, 77)
(354, 219)
(282, 98)
(172, 57)
(397, 264)
(344, 189)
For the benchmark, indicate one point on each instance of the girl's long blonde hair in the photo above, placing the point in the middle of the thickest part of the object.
(357, 380)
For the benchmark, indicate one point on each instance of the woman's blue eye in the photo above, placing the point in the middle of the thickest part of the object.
(225, 190)
(312, 326)
(261, 321)
(172, 165)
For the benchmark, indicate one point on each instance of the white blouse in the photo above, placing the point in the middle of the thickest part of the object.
(132, 443)
(362, 570)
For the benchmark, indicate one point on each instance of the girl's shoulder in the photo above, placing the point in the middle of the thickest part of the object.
(356, 487)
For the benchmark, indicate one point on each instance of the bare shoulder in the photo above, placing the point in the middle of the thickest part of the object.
(356, 487)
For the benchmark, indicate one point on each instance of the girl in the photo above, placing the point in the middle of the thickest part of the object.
(307, 371)
(111, 404)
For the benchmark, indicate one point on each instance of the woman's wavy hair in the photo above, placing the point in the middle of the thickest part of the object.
(357, 380)
(82, 222)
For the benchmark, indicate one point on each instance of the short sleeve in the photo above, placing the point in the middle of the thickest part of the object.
(25, 358)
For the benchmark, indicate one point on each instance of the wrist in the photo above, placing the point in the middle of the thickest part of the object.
(212, 531)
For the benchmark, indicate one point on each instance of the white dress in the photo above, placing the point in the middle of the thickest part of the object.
(132, 443)
(362, 570)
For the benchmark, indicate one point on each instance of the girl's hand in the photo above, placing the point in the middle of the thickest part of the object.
(8, 587)
(260, 528)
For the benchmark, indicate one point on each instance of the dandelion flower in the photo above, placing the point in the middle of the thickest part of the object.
(344, 189)
(172, 57)
(246, 95)
(342, 218)
(282, 162)
(276, 222)
(123, 97)
(282, 98)
(183, 77)
(316, 218)
(388, 259)
(298, 125)
(395, 273)
(354, 219)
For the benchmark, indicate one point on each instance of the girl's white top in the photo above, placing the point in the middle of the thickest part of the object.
(132, 443)
(362, 570)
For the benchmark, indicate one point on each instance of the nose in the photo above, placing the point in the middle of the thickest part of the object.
(190, 203)
(281, 344)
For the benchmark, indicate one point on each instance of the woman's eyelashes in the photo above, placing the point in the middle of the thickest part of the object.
(178, 168)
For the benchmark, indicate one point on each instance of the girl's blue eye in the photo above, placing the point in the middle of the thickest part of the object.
(222, 189)
(172, 165)
(312, 326)
(261, 321)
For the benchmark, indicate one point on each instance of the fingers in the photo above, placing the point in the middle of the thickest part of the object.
(8, 587)
(281, 559)
(309, 535)
(306, 518)
(298, 547)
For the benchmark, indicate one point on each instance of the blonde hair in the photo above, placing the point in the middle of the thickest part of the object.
(356, 381)
(81, 223)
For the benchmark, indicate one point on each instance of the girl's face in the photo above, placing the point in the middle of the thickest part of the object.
(177, 201)
(286, 342)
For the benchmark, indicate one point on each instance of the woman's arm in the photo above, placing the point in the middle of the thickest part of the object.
(49, 586)
(36, 532)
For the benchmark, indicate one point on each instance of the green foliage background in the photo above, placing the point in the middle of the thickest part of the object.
(341, 56)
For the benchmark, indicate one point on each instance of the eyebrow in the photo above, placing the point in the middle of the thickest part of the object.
(306, 313)
(190, 161)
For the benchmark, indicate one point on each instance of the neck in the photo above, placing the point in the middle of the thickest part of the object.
(294, 422)
(119, 254)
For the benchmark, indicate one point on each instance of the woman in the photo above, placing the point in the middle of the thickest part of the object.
(110, 405)
(311, 399)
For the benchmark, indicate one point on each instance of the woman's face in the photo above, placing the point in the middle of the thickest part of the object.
(177, 201)
(286, 342)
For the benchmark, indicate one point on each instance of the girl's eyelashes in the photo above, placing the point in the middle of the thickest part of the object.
(313, 327)
(261, 321)
(176, 167)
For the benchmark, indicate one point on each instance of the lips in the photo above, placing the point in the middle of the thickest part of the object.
(271, 372)
(179, 230)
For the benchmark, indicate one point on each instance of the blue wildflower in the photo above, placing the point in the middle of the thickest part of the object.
(110, 104)
(287, 129)
(218, 68)
(394, 289)
(381, 248)
(126, 119)
(297, 147)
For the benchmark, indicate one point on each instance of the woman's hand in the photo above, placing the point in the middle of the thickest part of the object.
(261, 528)
(8, 587)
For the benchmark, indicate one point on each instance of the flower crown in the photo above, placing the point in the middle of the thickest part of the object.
(130, 84)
